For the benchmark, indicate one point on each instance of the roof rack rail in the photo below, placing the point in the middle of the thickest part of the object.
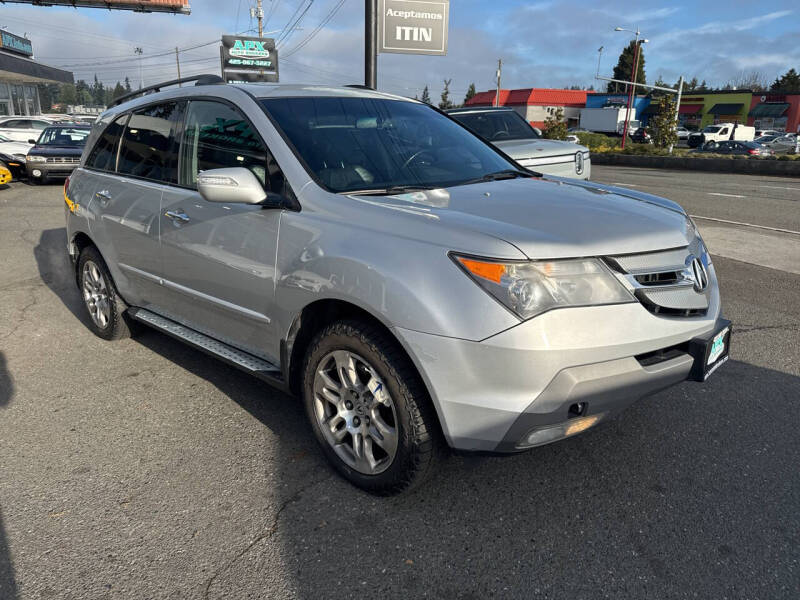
(152, 89)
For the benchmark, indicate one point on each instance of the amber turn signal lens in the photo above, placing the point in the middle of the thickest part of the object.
(486, 270)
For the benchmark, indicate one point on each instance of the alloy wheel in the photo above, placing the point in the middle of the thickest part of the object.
(95, 295)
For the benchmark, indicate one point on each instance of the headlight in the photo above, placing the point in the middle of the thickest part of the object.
(532, 287)
(35, 158)
(20, 157)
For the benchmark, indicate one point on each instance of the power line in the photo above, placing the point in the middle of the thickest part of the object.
(325, 21)
(290, 27)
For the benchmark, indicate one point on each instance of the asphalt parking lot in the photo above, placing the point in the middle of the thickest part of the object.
(145, 469)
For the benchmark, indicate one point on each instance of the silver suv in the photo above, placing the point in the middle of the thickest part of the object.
(409, 282)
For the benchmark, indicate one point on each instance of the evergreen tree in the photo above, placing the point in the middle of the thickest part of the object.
(426, 96)
(624, 68)
(48, 95)
(98, 91)
(127, 85)
(789, 82)
(470, 93)
(67, 94)
(446, 102)
(118, 91)
(691, 85)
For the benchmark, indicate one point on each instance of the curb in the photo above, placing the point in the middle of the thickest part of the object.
(787, 168)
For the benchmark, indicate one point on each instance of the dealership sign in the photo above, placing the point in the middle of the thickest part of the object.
(14, 43)
(413, 26)
(247, 59)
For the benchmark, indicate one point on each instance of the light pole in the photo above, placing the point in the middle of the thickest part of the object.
(631, 88)
(138, 51)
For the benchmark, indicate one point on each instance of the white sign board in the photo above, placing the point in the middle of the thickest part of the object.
(413, 26)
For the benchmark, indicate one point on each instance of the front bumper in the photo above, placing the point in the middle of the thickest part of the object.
(489, 394)
(49, 169)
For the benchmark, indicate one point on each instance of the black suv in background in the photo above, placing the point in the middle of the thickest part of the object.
(56, 153)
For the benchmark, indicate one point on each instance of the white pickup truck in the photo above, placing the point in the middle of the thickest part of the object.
(722, 132)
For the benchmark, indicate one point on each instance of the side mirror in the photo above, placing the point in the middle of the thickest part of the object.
(31, 141)
(234, 185)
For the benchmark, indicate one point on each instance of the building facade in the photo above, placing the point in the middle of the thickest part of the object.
(775, 110)
(19, 74)
(535, 105)
(727, 106)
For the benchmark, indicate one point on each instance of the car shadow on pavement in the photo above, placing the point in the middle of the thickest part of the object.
(8, 586)
(56, 270)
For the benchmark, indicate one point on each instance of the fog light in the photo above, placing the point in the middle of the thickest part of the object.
(553, 433)
(37, 173)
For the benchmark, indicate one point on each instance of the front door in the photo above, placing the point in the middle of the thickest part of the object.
(218, 258)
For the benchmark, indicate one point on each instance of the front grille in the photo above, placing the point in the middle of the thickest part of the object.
(663, 281)
(68, 160)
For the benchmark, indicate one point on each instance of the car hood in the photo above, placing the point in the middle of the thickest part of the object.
(14, 148)
(555, 218)
(51, 150)
(518, 149)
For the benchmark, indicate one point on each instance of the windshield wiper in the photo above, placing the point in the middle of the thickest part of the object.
(391, 190)
(499, 175)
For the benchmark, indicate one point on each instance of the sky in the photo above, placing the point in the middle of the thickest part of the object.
(542, 44)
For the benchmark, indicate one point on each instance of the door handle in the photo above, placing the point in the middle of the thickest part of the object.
(177, 216)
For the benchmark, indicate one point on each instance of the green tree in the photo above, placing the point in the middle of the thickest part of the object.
(118, 91)
(48, 95)
(662, 124)
(660, 83)
(789, 82)
(68, 94)
(691, 86)
(446, 103)
(555, 128)
(426, 96)
(127, 84)
(470, 93)
(624, 68)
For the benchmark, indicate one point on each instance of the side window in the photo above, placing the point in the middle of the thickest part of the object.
(104, 153)
(149, 148)
(217, 136)
(17, 124)
(39, 124)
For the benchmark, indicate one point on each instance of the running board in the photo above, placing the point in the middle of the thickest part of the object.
(237, 358)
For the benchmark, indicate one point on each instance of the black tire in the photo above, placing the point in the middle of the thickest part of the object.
(117, 326)
(418, 429)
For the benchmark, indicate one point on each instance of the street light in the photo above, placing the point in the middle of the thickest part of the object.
(632, 88)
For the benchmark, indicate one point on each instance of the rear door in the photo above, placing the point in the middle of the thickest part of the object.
(219, 259)
(127, 199)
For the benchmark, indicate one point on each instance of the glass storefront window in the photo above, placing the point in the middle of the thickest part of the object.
(31, 100)
(4, 94)
(18, 99)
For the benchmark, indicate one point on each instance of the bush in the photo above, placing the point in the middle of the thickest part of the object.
(597, 142)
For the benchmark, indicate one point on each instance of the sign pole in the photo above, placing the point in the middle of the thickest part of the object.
(371, 43)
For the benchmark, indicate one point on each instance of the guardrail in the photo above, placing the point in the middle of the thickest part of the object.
(749, 166)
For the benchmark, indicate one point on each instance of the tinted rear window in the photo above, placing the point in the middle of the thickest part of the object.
(148, 146)
(104, 153)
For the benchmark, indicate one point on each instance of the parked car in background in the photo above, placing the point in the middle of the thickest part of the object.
(781, 143)
(22, 129)
(682, 132)
(734, 147)
(722, 132)
(13, 153)
(763, 132)
(57, 152)
(401, 276)
(507, 130)
(5, 174)
(641, 136)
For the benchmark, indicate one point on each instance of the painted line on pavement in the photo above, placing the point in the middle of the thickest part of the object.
(746, 224)
(777, 187)
(625, 184)
(725, 195)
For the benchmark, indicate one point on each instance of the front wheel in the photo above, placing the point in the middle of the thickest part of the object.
(369, 409)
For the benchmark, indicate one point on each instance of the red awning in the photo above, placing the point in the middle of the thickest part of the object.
(690, 109)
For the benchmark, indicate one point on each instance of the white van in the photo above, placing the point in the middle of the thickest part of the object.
(722, 132)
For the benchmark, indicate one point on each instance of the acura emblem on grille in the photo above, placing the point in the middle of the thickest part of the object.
(696, 272)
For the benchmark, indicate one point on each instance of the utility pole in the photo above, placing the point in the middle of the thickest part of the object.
(260, 15)
(631, 89)
(178, 64)
(138, 51)
(499, 74)
(371, 43)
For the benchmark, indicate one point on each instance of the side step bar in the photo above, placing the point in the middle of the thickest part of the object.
(237, 358)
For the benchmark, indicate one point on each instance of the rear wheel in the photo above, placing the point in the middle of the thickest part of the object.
(103, 305)
(368, 408)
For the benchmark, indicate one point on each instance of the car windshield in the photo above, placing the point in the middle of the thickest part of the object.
(711, 129)
(370, 144)
(63, 136)
(496, 126)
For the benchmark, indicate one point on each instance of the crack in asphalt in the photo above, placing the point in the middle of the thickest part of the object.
(263, 535)
(23, 316)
